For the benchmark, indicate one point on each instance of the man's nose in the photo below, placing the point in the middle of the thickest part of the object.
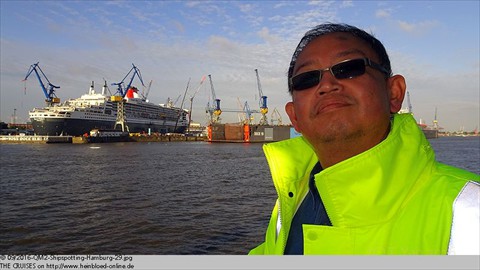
(327, 83)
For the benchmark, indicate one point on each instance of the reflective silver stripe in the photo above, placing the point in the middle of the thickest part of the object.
(279, 223)
(465, 231)
(279, 218)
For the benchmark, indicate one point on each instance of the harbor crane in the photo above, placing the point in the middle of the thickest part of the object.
(248, 113)
(409, 104)
(435, 121)
(120, 95)
(409, 109)
(276, 117)
(192, 97)
(262, 102)
(181, 106)
(121, 91)
(245, 115)
(48, 88)
(214, 109)
(191, 103)
(148, 90)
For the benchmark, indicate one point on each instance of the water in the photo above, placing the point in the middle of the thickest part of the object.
(147, 198)
(134, 198)
(462, 152)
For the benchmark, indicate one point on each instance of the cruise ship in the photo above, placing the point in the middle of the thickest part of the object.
(93, 110)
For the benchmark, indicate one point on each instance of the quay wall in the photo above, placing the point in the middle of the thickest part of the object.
(34, 139)
(166, 138)
(81, 139)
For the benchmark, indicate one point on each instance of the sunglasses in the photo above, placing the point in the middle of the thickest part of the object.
(344, 70)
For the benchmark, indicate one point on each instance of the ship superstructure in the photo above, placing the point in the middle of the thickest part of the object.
(94, 110)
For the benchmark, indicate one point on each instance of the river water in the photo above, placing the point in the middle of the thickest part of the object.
(147, 198)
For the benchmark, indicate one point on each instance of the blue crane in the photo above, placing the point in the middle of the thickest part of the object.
(50, 96)
(248, 113)
(214, 109)
(262, 102)
(121, 91)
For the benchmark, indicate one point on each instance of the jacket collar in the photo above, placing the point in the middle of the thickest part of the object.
(363, 190)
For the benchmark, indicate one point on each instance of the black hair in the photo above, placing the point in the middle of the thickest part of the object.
(328, 28)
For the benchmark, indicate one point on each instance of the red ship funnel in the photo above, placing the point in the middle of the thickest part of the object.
(131, 91)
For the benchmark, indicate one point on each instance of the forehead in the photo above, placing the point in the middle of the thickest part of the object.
(336, 45)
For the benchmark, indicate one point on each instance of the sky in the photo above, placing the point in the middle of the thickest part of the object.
(174, 44)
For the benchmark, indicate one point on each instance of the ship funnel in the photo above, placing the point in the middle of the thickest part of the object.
(104, 89)
(92, 90)
(132, 93)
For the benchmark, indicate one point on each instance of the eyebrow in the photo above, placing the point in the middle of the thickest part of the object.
(338, 55)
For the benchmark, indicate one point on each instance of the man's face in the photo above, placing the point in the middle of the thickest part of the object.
(339, 108)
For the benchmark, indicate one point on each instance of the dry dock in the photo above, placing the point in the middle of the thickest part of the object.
(243, 133)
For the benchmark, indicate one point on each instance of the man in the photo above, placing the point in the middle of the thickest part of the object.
(362, 179)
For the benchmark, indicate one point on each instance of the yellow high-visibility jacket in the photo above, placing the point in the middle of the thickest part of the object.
(394, 198)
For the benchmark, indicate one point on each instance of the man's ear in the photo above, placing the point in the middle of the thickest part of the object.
(397, 87)
(290, 109)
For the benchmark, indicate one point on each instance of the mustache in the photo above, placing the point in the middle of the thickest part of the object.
(332, 100)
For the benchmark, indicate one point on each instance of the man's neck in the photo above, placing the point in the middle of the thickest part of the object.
(333, 152)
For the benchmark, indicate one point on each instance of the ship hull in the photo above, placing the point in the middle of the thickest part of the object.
(78, 127)
(430, 133)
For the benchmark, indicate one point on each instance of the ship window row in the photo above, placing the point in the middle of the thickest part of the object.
(96, 117)
(51, 115)
(94, 110)
(160, 113)
(98, 112)
(100, 115)
(144, 108)
(81, 104)
(143, 115)
(151, 111)
(95, 114)
(142, 111)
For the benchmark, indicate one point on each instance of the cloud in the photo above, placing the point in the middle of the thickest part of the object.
(192, 4)
(205, 13)
(264, 33)
(382, 13)
(179, 26)
(222, 44)
(347, 4)
(246, 7)
(417, 28)
(55, 27)
(141, 16)
(282, 4)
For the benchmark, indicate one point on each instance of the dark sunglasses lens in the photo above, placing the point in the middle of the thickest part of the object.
(306, 80)
(349, 69)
